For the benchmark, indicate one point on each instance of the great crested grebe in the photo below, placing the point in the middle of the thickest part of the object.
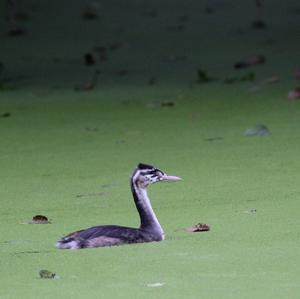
(109, 235)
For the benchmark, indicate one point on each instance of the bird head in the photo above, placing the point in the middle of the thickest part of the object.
(145, 175)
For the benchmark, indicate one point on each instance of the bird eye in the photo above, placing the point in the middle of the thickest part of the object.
(159, 173)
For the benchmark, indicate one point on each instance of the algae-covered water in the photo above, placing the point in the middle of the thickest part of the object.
(68, 154)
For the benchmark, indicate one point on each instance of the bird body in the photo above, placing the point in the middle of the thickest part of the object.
(150, 229)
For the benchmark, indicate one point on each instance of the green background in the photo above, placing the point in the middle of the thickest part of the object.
(69, 154)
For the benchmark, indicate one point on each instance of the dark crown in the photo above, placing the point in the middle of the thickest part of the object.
(145, 166)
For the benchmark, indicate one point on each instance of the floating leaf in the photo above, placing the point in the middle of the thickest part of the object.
(203, 77)
(17, 31)
(167, 104)
(91, 11)
(5, 114)
(152, 81)
(199, 227)
(258, 130)
(89, 15)
(155, 284)
(46, 274)
(92, 194)
(258, 24)
(250, 61)
(250, 211)
(89, 59)
(213, 139)
(39, 219)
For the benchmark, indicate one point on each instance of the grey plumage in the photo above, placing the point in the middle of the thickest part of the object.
(111, 235)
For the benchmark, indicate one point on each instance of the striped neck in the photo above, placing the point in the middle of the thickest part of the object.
(148, 218)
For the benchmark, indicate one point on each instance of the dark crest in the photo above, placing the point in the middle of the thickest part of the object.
(145, 166)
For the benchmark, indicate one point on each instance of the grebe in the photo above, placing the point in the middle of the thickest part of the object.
(109, 235)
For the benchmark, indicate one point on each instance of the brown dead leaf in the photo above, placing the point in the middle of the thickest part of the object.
(39, 219)
(199, 227)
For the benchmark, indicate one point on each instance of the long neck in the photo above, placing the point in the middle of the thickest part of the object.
(149, 220)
